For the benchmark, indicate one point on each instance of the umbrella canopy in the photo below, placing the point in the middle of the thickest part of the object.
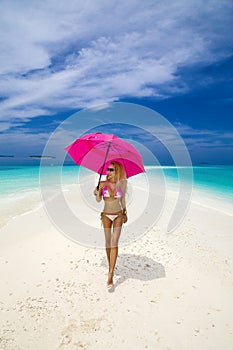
(95, 151)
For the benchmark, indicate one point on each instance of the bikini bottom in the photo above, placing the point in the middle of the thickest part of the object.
(112, 217)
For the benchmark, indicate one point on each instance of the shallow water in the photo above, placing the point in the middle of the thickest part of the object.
(20, 185)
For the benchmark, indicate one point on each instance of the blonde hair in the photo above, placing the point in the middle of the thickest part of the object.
(119, 171)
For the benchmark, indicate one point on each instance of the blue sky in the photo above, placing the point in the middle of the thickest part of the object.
(172, 56)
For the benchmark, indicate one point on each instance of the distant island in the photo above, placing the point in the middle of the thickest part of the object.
(5, 156)
(47, 157)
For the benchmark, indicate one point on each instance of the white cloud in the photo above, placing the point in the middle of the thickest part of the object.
(204, 138)
(6, 125)
(57, 55)
(20, 143)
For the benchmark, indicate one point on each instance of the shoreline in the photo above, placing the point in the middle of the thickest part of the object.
(11, 205)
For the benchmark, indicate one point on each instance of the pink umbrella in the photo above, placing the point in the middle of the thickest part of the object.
(96, 151)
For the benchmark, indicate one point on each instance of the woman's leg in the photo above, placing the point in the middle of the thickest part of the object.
(107, 224)
(117, 226)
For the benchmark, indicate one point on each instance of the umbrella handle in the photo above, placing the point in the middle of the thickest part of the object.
(98, 186)
(103, 165)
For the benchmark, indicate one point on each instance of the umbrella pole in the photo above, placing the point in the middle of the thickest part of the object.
(103, 165)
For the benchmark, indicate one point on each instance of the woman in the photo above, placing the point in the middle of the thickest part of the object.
(113, 191)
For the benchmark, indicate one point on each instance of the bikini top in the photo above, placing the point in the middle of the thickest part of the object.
(106, 194)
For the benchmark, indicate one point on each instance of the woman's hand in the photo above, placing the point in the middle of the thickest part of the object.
(96, 192)
(124, 213)
(125, 218)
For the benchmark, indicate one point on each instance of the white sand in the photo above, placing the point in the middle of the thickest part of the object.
(172, 291)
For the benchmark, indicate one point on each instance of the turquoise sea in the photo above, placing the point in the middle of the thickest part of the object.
(18, 183)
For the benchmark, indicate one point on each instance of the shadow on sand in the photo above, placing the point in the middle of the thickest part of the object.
(136, 267)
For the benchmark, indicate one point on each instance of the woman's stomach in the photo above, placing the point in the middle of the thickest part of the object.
(112, 206)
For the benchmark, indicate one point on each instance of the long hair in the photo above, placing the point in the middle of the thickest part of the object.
(119, 171)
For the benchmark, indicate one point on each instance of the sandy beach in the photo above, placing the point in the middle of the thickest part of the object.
(172, 291)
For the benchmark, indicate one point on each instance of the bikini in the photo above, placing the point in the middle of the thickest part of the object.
(106, 194)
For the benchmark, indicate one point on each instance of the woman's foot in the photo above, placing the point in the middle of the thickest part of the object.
(110, 280)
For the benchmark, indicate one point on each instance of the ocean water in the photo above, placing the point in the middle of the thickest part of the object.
(216, 181)
(20, 185)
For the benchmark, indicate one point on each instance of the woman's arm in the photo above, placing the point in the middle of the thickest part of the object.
(98, 193)
(123, 201)
(123, 185)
